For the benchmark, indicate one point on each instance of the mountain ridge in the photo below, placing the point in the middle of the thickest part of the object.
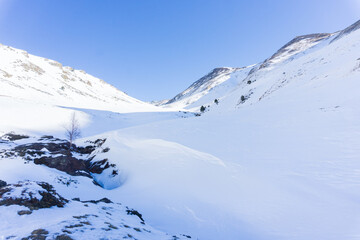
(297, 45)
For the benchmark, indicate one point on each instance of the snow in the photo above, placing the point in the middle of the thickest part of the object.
(25, 76)
(30, 190)
(90, 222)
(283, 164)
(201, 88)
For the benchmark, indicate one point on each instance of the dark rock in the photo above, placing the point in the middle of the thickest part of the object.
(187, 236)
(74, 226)
(112, 226)
(136, 213)
(85, 223)
(90, 148)
(38, 234)
(85, 150)
(24, 212)
(2, 183)
(53, 147)
(98, 166)
(106, 150)
(13, 137)
(99, 142)
(63, 237)
(82, 216)
(68, 164)
(46, 137)
(49, 197)
(104, 200)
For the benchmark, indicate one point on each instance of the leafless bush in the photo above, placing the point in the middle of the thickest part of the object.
(72, 130)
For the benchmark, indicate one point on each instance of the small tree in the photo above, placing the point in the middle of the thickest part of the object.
(72, 130)
(202, 109)
(216, 101)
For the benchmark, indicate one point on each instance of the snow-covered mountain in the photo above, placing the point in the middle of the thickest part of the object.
(222, 81)
(275, 157)
(199, 88)
(25, 76)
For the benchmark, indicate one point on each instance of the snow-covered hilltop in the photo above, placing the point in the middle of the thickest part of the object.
(273, 156)
(25, 76)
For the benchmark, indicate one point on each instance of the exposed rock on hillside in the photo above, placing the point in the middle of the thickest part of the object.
(54, 153)
(33, 195)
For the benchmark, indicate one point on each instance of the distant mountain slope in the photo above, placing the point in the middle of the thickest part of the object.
(348, 30)
(295, 46)
(26, 76)
(222, 81)
(200, 88)
(320, 60)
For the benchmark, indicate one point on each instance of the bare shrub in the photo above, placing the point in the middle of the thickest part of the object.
(72, 130)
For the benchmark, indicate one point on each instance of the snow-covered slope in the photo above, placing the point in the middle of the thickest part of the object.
(318, 68)
(292, 143)
(200, 88)
(348, 30)
(221, 81)
(25, 76)
(37, 202)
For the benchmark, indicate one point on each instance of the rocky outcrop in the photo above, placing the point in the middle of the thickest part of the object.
(99, 166)
(112, 219)
(2, 183)
(33, 195)
(68, 164)
(55, 153)
(38, 234)
(13, 137)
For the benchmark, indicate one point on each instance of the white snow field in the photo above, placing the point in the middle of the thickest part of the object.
(277, 158)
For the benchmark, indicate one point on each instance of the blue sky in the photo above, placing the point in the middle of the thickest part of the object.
(153, 49)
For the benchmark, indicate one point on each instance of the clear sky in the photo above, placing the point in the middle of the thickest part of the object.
(153, 49)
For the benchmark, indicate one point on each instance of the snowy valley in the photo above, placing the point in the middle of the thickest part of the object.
(274, 153)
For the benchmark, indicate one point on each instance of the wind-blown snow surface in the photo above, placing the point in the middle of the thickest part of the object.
(280, 163)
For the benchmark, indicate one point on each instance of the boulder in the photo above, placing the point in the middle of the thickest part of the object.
(2, 183)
